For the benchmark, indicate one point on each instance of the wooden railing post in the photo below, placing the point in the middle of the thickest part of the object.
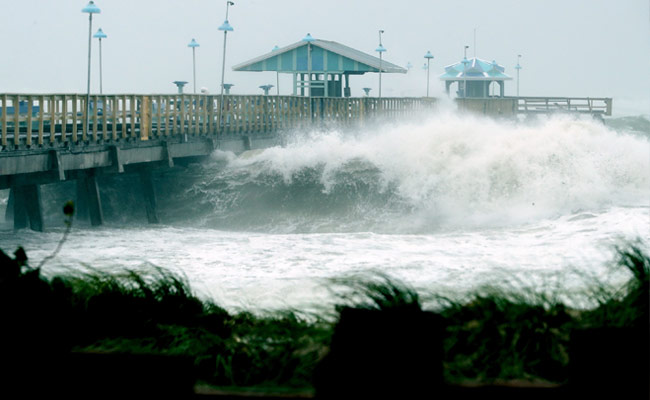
(16, 103)
(28, 131)
(145, 118)
(4, 119)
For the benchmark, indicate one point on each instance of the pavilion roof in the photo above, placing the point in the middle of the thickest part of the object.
(475, 69)
(326, 56)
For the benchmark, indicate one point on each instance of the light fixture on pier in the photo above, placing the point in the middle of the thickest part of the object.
(266, 89)
(100, 35)
(193, 45)
(90, 9)
(518, 67)
(380, 49)
(428, 57)
(180, 85)
(367, 91)
(225, 27)
(227, 87)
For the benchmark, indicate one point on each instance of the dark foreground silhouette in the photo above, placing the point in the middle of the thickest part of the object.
(100, 337)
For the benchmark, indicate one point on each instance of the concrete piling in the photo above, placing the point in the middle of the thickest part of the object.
(149, 193)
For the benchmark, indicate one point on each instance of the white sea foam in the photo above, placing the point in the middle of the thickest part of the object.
(464, 170)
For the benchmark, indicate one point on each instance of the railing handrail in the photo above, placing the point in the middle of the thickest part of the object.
(26, 119)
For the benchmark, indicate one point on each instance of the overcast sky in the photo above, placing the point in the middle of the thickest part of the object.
(596, 48)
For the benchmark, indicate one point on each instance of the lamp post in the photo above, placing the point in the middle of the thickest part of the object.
(518, 67)
(380, 49)
(465, 62)
(90, 9)
(225, 27)
(100, 35)
(428, 57)
(193, 44)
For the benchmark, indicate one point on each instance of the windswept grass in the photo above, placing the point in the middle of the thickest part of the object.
(493, 335)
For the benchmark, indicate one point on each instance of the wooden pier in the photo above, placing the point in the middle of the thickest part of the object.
(513, 106)
(52, 138)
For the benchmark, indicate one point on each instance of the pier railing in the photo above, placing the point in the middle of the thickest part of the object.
(581, 105)
(37, 119)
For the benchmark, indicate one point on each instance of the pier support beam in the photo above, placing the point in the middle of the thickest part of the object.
(149, 193)
(89, 204)
(27, 207)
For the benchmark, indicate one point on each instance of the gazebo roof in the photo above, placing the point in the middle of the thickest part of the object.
(326, 56)
(475, 69)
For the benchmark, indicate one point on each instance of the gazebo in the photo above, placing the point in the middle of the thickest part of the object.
(331, 64)
(475, 75)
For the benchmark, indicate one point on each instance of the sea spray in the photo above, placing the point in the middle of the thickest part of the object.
(450, 171)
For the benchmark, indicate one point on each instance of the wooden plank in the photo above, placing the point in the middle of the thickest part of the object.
(30, 105)
(114, 106)
(64, 118)
(177, 113)
(206, 129)
(133, 108)
(145, 118)
(125, 114)
(196, 114)
(16, 103)
(183, 114)
(105, 108)
(168, 125)
(41, 119)
(75, 111)
(95, 117)
(159, 103)
(53, 104)
(5, 99)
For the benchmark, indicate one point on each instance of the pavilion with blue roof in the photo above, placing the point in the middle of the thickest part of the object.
(331, 62)
(474, 77)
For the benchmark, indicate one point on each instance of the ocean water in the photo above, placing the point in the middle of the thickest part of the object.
(449, 204)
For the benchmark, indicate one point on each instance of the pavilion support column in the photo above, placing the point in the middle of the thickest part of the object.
(295, 84)
(302, 84)
(346, 91)
(149, 193)
(27, 207)
(501, 88)
(326, 78)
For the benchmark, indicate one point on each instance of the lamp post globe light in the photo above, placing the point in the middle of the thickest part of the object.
(193, 45)
(90, 9)
(100, 35)
(428, 57)
(518, 67)
(225, 27)
(380, 49)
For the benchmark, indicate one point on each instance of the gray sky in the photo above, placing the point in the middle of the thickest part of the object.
(596, 48)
